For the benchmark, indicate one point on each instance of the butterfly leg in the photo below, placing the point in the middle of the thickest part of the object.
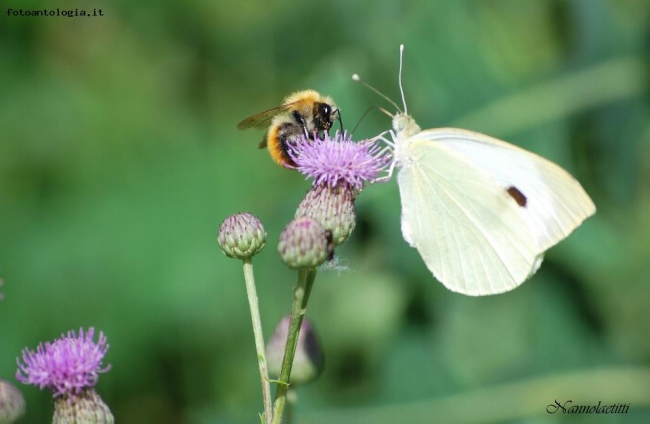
(386, 177)
(390, 146)
(384, 139)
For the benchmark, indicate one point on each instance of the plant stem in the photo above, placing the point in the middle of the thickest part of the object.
(292, 398)
(259, 338)
(301, 294)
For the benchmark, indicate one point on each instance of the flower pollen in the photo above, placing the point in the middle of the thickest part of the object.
(338, 159)
(67, 365)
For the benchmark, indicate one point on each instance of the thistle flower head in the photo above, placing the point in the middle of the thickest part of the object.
(86, 407)
(241, 236)
(304, 243)
(67, 365)
(339, 160)
(333, 207)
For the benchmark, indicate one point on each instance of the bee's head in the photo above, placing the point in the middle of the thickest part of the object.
(324, 116)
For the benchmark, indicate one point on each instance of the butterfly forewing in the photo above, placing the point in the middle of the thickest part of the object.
(468, 230)
(550, 199)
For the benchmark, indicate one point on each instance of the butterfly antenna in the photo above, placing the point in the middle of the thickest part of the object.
(401, 89)
(357, 78)
(381, 109)
(384, 111)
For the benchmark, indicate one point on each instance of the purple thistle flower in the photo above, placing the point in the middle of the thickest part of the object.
(339, 159)
(65, 366)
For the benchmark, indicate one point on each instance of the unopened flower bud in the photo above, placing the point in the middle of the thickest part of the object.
(309, 360)
(241, 236)
(12, 403)
(333, 207)
(304, 243)
(86, 407)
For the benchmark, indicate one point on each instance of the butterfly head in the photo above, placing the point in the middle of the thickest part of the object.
(404, 125)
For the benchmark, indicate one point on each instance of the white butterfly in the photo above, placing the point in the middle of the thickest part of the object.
(481, 212)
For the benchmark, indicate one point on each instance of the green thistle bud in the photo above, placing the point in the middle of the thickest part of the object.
(86, 407)
(309, 361)
(12, 403)
(333, 207)
(304, 243)
(241, 236)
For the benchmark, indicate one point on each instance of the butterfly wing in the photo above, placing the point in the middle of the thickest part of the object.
(473, 234)
(555, 202)
(465, 226)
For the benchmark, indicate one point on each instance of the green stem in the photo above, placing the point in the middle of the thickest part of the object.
(259, 338)
(301, 294)
(292, 398)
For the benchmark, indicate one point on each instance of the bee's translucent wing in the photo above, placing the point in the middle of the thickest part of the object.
(262, 120)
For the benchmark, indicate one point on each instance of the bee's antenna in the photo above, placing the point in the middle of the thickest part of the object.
(357, 78)
(401, 89)
(338, 114)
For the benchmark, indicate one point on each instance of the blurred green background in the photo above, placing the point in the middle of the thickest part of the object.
(119, 158)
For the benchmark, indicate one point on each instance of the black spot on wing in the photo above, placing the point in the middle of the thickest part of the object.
(517, 195)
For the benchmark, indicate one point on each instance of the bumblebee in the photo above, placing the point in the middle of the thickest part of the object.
(304, 113)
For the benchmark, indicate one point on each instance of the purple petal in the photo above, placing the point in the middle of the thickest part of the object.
(66, 365)
(339, 160)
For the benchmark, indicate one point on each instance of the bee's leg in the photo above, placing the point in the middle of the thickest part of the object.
(301, 120)
(316, 135)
